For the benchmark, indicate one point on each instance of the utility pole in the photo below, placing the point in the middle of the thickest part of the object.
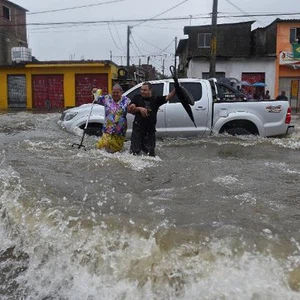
(128, 47)
(213, 43)
(110, 55)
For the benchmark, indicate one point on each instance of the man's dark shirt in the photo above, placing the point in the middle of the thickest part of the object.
(152, 104)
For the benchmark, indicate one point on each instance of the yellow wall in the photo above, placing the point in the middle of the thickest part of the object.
(3, 91)
(68, 70)
(3, 83)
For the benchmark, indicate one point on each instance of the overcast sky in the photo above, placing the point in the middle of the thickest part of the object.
(100, 41)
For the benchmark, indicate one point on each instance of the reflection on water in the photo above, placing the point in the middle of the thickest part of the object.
(213, 218)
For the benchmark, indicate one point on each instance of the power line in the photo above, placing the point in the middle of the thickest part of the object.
(166, 47)
(144, 50)
(144, 22)
(113, 37)
(239, 9)
(136, 45)
(71, 8)
(125, 21)
(235, 6)
(160, 49)
(145, 55)
(118, 36)
(162, 12)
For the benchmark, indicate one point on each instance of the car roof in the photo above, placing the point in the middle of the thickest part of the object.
(168, 80)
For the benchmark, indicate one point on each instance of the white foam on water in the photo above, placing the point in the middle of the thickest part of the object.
(77, 131)
(74, 258)
(226, 180)
(131, 267)
(290, 142)
(96, 263)
(133, 162)
(40, 145)
(246, 198)
(137, 163)
(282, 167)
(165, 194)
(247, 277)
(242, 140)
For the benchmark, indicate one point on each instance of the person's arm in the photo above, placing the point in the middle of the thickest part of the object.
(170, 95)
(133, 109)
(97, 94)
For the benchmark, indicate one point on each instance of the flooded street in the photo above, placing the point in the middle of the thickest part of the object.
(211, 218)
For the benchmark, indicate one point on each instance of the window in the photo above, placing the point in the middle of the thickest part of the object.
(224, 89)
(294, 35)
(204, 40)
(228, 93)
(195, 88)
(6, 13)
(157, 90)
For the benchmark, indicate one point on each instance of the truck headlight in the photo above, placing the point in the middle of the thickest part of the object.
(70, 116)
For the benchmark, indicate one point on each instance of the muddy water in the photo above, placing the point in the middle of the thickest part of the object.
(212, 218)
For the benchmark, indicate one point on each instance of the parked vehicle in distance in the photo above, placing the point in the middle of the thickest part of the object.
(212, 113)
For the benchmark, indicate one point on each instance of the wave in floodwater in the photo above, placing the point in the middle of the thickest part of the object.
(50, 252)
(202, 220)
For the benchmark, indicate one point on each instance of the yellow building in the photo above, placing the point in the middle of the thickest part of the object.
(54, 84)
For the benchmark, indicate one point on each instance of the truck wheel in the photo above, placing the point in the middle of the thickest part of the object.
(237, 131)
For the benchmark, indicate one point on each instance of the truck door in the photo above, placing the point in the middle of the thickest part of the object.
(178, 121)
(157, 90)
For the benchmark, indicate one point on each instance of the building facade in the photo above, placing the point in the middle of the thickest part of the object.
(287, 76)
(249, 56)
(54, 84)
(12, 29)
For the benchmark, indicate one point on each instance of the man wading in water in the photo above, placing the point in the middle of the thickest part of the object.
(145, 107)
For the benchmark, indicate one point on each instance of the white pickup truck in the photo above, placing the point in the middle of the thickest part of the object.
(214, 112)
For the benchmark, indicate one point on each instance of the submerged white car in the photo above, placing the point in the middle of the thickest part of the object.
(213, 113)
(76, 117)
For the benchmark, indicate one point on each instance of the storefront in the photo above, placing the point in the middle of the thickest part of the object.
(289, 78)
(53, 85)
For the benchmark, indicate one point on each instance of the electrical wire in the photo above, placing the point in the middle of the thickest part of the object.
(166, 47)
(136, 45)
(71, 8)
(113, 37)
(118, 36)
(160, 49)
(125, 21)
(132, 37)
(162, 12)
(242, 11)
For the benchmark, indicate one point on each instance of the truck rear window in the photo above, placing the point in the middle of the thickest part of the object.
(195, 88)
